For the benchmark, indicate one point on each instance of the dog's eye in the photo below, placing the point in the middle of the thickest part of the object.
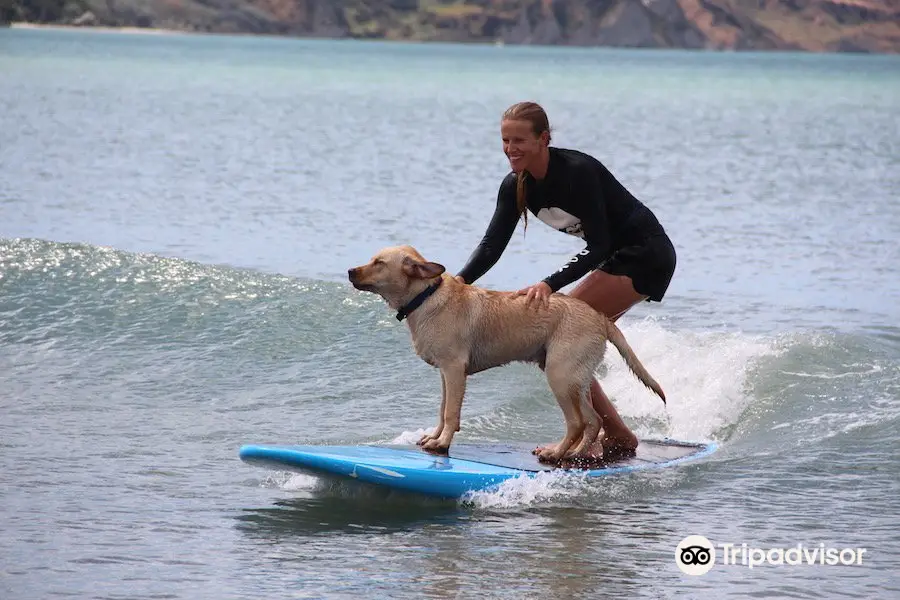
(377, 262)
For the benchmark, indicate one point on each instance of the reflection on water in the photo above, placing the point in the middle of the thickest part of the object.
(368, 509)
(453, 549)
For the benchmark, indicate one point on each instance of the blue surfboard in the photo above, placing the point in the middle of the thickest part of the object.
(467, 468)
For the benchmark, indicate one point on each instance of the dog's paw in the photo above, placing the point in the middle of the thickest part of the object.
(582, 450)
(436, 449)
(437, 445)
(540, 449)
(548, 456)
(432, 444)
(429, 436)
(594, 451)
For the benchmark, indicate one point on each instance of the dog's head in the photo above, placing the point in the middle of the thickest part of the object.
(396, 274)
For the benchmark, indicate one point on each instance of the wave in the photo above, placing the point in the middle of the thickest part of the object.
(298, 339)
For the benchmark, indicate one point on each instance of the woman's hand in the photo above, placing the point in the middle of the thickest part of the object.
(539, 292)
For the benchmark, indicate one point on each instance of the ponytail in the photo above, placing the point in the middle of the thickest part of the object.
(520, 197)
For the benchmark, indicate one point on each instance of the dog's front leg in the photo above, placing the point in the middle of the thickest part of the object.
(440, 426)
(454, 378)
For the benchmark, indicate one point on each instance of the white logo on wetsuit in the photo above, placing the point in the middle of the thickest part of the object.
(574, 259)
(567, 223)
(561, 220)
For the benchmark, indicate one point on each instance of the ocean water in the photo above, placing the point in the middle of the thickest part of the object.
(177, 215)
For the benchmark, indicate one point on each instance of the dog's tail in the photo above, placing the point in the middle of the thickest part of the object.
(614, 335)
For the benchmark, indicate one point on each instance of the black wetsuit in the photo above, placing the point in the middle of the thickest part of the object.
(579, 196)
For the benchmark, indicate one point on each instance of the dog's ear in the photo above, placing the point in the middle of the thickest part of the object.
(421, 270)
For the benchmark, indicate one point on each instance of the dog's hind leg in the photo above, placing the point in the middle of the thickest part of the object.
(592, 426)
(568, 391)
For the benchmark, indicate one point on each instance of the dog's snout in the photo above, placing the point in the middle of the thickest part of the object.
(351, 272)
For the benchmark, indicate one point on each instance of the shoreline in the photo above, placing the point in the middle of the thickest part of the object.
(160, 31)
(100, 28)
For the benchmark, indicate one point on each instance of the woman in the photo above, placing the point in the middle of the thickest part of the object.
(628, 258)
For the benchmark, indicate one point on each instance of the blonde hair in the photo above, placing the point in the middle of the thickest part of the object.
(534, 114)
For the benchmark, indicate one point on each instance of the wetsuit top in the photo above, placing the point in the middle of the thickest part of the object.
(578, 196)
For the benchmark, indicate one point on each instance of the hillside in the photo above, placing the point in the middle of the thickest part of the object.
(812, 25)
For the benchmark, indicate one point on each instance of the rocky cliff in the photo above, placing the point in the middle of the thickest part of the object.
(812, 25)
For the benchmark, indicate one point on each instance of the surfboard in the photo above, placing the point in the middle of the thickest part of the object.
(468, 467)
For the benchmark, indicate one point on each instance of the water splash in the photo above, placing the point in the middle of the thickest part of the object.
(706, 377)
(538, 489)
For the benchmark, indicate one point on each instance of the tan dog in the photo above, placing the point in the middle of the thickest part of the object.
(462, 329)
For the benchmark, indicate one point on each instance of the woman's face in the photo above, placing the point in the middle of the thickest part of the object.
(520, 144)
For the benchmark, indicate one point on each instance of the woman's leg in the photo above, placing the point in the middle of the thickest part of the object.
(613, 295)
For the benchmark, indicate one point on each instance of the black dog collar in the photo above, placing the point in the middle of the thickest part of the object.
(416, 302)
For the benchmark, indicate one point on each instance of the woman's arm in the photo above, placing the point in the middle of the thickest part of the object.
(498, 234)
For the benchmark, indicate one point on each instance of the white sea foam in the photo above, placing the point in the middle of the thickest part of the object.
(703, 374)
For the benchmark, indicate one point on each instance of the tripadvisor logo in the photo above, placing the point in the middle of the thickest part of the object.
(696, 555)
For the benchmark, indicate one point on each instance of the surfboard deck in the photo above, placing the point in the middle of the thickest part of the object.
(468, 467)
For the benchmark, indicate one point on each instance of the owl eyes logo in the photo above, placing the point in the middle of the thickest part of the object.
(695, 555)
